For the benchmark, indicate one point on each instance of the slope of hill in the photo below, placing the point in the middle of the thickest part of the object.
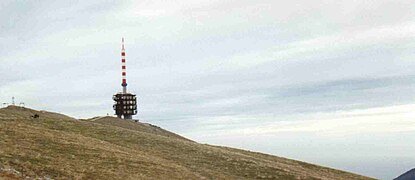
(60, 147)
(410, 175)
(142, 127)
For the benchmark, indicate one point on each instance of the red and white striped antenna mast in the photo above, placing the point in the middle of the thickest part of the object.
(124, 69)
(125, 105)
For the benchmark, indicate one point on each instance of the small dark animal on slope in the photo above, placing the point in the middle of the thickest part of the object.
(35, 116)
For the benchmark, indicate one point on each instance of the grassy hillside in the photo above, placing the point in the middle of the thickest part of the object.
(60, 147)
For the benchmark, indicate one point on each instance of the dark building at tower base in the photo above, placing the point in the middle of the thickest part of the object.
(125, 105)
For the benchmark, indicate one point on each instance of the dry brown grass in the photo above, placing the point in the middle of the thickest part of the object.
(60, 147)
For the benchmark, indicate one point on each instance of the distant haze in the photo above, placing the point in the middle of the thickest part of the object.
(328, 82)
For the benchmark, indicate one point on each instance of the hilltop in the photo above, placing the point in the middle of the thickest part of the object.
(61, 147)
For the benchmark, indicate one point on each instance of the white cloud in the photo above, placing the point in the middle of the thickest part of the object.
(391, 119)
(325, 46)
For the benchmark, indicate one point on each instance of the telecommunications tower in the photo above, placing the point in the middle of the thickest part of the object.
(125, 104)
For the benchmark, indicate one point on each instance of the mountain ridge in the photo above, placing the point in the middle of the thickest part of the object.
(409, 175)
(55, 146)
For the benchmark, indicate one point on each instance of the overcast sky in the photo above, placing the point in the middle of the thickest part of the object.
(328, 82)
